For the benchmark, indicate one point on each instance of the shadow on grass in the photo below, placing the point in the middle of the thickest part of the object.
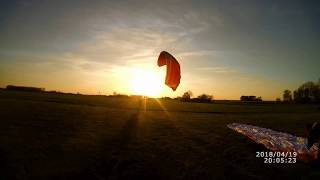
(6, 171)
(112, 159)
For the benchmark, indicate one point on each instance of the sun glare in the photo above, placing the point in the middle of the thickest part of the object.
(145, 82)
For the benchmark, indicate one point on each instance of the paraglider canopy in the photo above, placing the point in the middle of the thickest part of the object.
(173, 74)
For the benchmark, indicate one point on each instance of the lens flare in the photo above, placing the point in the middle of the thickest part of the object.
(145, 82)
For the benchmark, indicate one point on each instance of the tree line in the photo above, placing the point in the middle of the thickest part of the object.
(203, 98)
(308, 92)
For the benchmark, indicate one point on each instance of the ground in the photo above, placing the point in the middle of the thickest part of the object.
(64, 136)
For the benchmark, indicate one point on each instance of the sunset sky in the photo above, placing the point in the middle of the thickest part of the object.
(225, 48)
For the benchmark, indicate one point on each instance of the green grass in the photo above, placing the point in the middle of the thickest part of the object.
(61, 136)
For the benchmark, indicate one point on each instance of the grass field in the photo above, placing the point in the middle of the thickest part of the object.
(61, 136)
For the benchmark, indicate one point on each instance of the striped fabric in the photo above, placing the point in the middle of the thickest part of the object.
(277, 141)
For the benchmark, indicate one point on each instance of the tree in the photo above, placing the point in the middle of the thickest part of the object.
(186, 96)
(205, 98)
(307, 92)
(259, 98)
(287, 96)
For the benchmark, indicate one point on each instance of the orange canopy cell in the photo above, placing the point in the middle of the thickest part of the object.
(173, 75)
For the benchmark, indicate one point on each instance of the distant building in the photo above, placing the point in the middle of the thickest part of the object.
(250, 98)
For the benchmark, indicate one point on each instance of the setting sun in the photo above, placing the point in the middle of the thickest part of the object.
(145, 82)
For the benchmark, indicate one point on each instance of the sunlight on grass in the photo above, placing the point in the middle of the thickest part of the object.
(163, 107)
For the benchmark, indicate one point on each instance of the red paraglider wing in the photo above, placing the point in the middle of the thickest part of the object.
(173, 75)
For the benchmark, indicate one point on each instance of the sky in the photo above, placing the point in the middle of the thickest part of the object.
(225, 48)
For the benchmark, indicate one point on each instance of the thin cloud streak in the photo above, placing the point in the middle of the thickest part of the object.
(219, 70)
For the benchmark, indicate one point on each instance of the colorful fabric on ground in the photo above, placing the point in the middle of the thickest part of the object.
(277, 141)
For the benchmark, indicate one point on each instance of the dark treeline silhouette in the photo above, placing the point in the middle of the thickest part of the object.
(308, 92)
(204, 98)
(115, 94)
(24, 88)
(166, 98)
(186, 96)
(119, 95)
(287, 96)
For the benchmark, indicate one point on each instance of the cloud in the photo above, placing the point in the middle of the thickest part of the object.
(199, 53)
(218, 70)
(125, 46)
(99, 35)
